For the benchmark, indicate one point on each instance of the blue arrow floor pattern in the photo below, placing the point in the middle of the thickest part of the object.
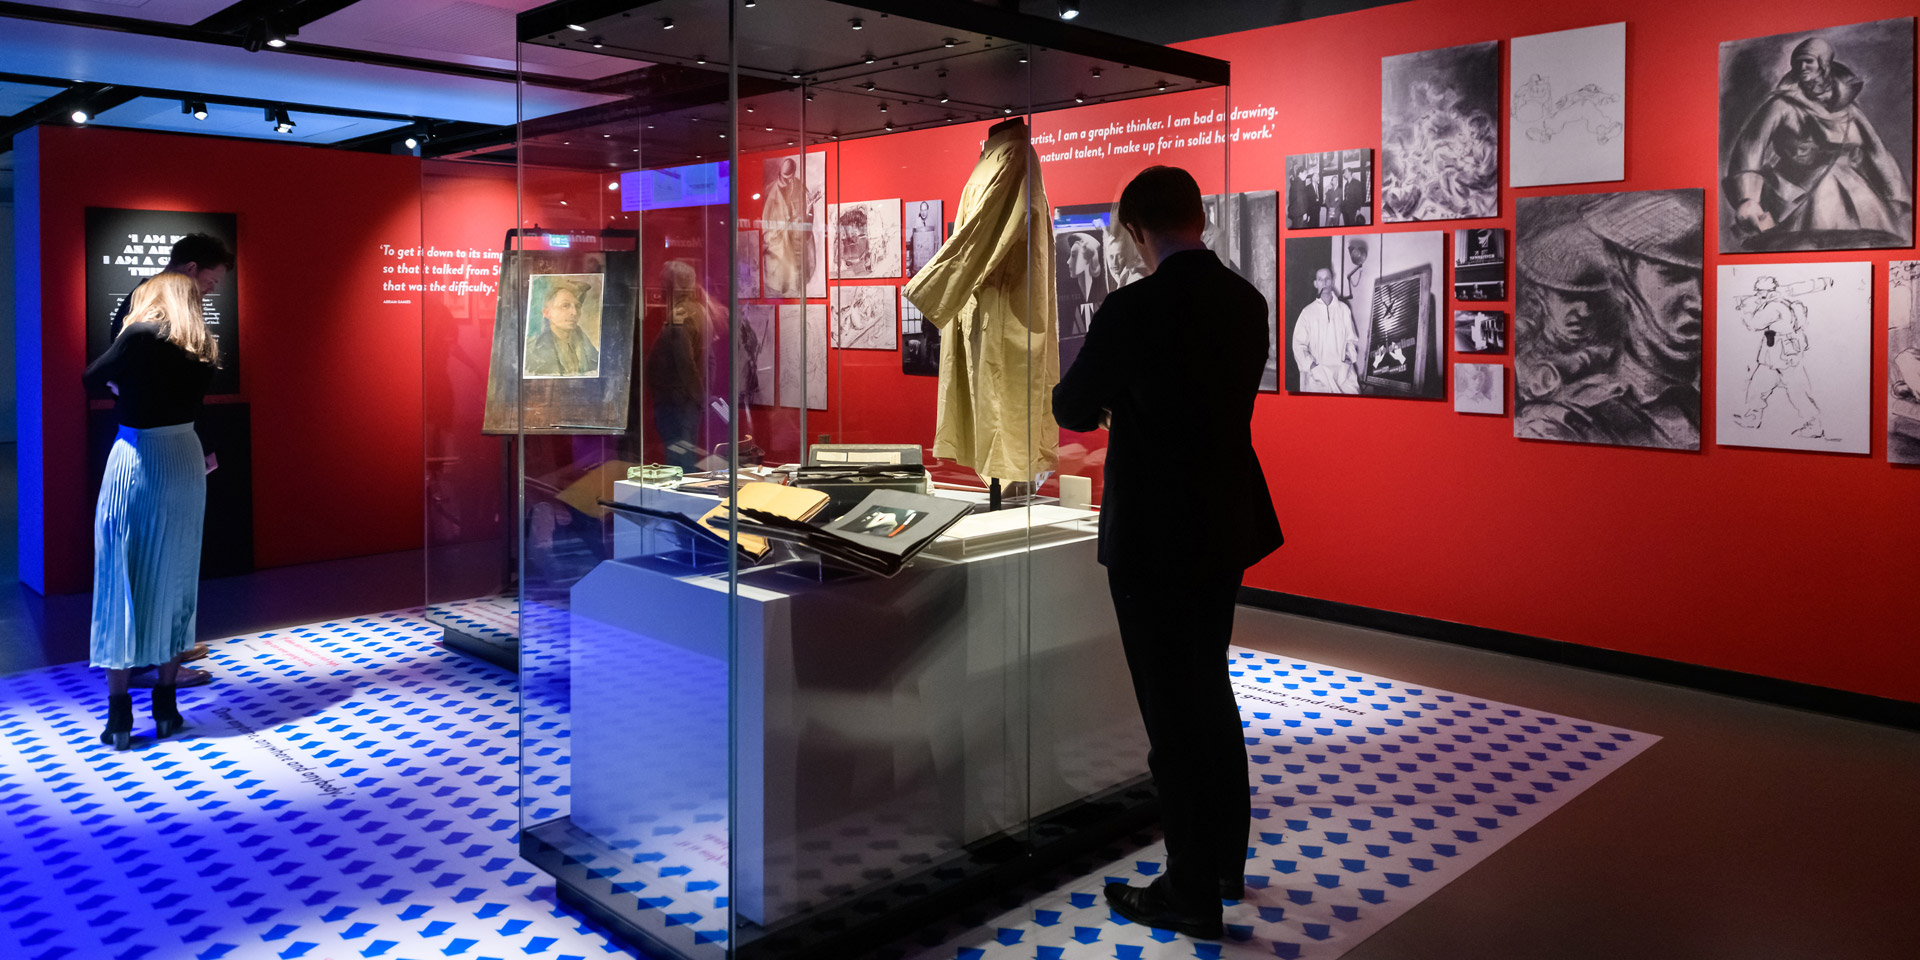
(1368, 795)
(344, 790)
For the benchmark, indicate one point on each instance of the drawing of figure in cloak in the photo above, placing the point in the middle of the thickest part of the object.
(787, 232)
(1782, 325)
(1808, 171)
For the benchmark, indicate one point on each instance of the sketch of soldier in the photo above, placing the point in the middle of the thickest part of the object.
(1654, 253)
(1809, 171)
(1546, 118)
(1572, 329)
(1781, 324)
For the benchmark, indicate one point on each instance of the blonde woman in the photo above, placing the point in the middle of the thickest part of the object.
(147, 523)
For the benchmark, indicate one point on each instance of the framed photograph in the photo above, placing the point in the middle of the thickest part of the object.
(1479, 331)
(919, 342)
(1364, 315)
(1480, 264)
(1330, 189)
(924, 233)
(1440, 134)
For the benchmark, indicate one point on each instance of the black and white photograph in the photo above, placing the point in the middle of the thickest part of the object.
(863, 317)
(1090, 260)
(1333, 188)
(757, 368)
(1903, 361)
(1793, 353)
(1480, 264)
(1440, 134)
(919, 342)
(1607, 321)
(1243, 231)
(1568, 96)
(866, 239)
(1816, 139)
(746, 265)
(1479, 331)
(1364, 315)
(1479, 388)
(792, 223)
(925, 233)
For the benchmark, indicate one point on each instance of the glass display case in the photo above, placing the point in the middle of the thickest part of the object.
(813, 637)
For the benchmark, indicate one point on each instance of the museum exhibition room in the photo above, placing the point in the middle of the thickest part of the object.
(959, 479)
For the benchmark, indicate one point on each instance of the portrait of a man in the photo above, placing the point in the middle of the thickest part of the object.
(563, 326)
(1816, 139)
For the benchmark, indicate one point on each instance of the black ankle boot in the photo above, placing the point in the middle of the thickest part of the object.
(166, 714)
(119, 731)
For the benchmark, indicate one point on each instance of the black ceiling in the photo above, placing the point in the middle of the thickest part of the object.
(1173, 21)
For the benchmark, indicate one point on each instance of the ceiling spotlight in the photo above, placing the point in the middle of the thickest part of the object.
(943, 96)
(1079, 98)
(615, 185)
(749, 4)
(889, 124)
(700, 58)
(769, 129)
(1023, 56)
(1163, 84)
(413, 143)
(577, 27)
(951, 42)
(194, 108)
(598, 42)
(795, 74)
(80, 116)
(1069, 9)
(869, 58)
(1006, 109)
(278, 117)
(1096, 73)
(666, 23)
(856, 23)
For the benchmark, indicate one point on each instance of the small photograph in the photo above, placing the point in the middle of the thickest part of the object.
(866, 239)
(563, 326)
(1330, 189)
(884, 521)
(924, 234)
(1480, 264)
(1440, 134)
(1816, 139)
(863, 317)
(919, 342)
(1479, 331)
(746, 258)
(1081, 270)
(1903, 361)
(1480, 388)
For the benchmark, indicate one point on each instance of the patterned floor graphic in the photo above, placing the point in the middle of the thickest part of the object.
(1369, 795)
(347, 790)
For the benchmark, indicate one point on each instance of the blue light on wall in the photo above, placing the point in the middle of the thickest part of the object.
(694, 185)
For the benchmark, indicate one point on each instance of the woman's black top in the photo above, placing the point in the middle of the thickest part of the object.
(160, 383)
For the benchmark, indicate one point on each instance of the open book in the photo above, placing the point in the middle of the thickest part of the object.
(879, 535)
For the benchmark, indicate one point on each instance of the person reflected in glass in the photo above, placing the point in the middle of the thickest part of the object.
(677, 363)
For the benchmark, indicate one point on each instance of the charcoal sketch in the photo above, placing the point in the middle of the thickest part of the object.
(803, 356)
(1363, 315)
(1479, 388)
(1479, 331)
(1440, 134)
(792, 222)
(746, 260)
(1568, 97)
(866, 239)
(756, 354)
(1816, 139)
(1793, 351)
(1607, 321)
(1243, 231)
(1330, 189)
(1903, 361)
(924, 233)
(863, 317)
(919, 342)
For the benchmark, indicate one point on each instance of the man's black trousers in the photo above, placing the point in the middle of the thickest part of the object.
(1175, 624)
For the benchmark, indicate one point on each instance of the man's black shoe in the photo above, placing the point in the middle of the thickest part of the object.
(1148, 907)
(1233, 888)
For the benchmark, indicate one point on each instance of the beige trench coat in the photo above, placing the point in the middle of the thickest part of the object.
(990, 290)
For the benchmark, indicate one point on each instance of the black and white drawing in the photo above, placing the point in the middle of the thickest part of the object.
(1243, 231)
(793, 226)
(803, 355)
(746, 265)
(1330, 189)
(919, 342)
(1816, 139)
(924, 233)
(1479, 331)
(1607, 322)
(1479, 388)
(1440, 134)
(863, 317)
(1568, 94)
(756, 354)
(1480, 264)
(1793, 351)
(866, 239)
(1363, 315)
(1903, 361)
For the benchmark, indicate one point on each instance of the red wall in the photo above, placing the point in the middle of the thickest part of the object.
(1785, 564)
(333, 374)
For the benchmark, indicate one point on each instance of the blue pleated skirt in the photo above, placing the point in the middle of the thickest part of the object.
(146, 547)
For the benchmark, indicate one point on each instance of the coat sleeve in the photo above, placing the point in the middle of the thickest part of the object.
(1090, 386)
(114, 362)
(980, 242)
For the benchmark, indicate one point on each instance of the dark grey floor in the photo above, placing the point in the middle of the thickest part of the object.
(1748, 831)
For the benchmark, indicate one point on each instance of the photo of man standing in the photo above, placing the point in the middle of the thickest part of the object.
(1170, 367)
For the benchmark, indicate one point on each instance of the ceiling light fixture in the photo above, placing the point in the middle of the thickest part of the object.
(856, 23)
(615, 185)
(576, 27)
(666, 23)
(278, 117)
(194, 108)
(599, 43)
(1069, 9)
(951, 42)
(869, 58)
(80, 116)
(1079, 98)
(943, 96)
(413, 143)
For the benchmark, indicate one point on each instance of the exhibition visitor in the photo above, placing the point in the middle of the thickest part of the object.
(1170, 367)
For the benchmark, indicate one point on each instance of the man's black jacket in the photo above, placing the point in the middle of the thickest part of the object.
(1177, 357)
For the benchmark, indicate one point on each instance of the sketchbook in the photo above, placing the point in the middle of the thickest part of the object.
(797, 504)
(879, 535)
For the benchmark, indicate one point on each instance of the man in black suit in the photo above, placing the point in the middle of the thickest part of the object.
(1171, 367)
